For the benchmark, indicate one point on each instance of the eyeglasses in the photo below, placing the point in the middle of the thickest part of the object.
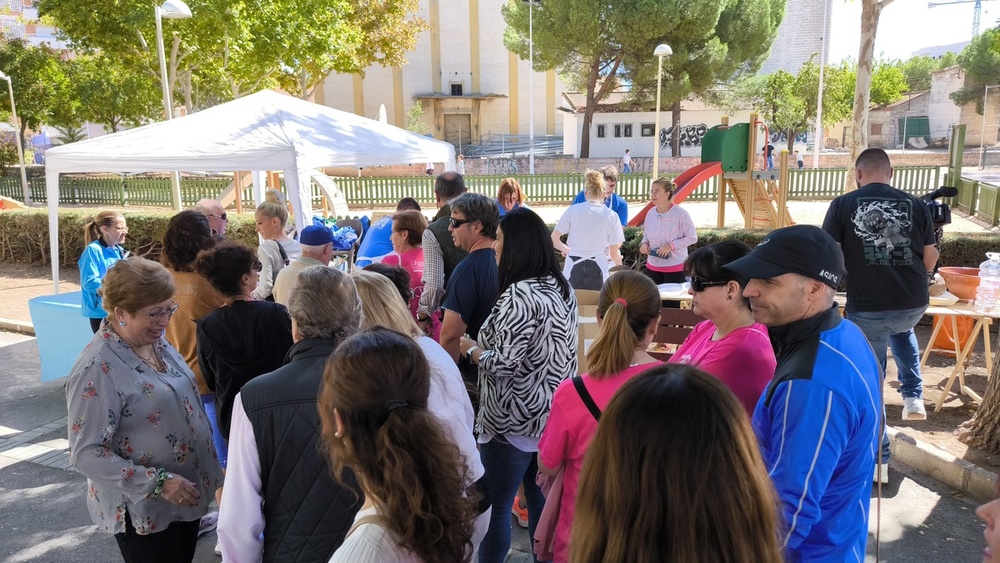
(223, 216)
(456, 223)
(699, 284)
(257, 266)
(166, 313)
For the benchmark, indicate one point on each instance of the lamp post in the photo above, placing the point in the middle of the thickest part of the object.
(531, 90)
(822, 67)
(172, 10)
(662, 50)
(18, 140)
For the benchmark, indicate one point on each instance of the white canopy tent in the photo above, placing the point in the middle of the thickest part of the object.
(259, 132)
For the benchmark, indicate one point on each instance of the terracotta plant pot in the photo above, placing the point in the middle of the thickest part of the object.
(961, 282)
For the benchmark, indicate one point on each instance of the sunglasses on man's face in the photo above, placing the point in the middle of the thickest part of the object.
(698, 284)
(456, 223)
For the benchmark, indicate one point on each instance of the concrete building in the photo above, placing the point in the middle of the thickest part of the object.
(800, 35)
(470, 86)
(19, 19)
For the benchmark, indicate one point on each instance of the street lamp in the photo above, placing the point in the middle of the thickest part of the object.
(982, 133)
(172, 10)
(17, 139)
(531, 91)
(662, 50)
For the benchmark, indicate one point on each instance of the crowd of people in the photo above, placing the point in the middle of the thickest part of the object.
(401, 412)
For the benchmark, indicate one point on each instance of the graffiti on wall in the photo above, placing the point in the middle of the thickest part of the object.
(690, 136)
(781, 137)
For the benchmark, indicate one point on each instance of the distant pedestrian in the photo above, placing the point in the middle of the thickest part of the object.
(769, 155)
(461, 165)
(627, 162)
(798, 160)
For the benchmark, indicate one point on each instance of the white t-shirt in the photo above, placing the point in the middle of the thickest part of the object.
(371, 542)
(627, 159)
(591, 228)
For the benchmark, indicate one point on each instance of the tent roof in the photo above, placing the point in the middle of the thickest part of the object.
(262, 131)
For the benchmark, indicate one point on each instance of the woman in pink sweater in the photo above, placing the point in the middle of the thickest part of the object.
(729, 345)
(628, 312)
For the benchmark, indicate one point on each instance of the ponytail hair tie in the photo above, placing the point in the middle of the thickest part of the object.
(622, 301)
(397, 404)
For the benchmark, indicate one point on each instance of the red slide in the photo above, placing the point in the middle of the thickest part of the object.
(687, 182)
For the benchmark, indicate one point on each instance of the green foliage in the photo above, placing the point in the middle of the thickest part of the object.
(917, 70)
(231, 48)
(110, 94)
(415, 119)
(70, 134)
(8, 155)
(600, 45)
(888, 83)
(37, 79)
(981, 63)
(24, 234)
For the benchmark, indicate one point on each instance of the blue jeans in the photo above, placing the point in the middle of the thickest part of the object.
(626, 168)
(506, 468)
(894, 329)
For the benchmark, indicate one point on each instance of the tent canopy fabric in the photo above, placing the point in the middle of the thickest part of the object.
(262, 131)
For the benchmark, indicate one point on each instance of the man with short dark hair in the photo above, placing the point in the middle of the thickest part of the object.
(817, 422)
(888, 241)
(473, 285)
(612, 201)
(441, 256)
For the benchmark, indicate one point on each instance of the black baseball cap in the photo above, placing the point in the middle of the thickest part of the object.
(800, 249)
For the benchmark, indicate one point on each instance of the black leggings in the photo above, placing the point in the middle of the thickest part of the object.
(664, 277)
(95, 324)
(176, 544)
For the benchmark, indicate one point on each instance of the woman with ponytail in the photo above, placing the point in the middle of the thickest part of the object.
(104, 236)
(628, 312)
(416, 507)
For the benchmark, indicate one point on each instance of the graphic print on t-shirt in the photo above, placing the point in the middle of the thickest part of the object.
(883, 228)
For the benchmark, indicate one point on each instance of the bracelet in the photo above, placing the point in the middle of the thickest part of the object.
(468, 353)
(161, 477)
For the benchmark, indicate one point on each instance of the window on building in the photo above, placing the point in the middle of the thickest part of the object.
(456, 89)
(627, 130)
(618, 130)
(876, 128)
(647, 129)
(602, 131)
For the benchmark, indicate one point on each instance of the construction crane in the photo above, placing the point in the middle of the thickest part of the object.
(977, 11)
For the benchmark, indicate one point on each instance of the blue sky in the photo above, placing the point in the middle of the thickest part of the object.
(905, 26)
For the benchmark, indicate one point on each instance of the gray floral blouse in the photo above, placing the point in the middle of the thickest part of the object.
(126, 420)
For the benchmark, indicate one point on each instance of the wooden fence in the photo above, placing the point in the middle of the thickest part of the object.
(808, 184)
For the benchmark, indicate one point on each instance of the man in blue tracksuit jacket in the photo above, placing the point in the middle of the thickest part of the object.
(818, 421)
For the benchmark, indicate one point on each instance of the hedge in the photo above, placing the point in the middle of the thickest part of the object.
(24, 237)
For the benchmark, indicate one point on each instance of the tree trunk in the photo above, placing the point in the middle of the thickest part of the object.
(675, 121)
(594, 95)
(982, 431)
(870, 12)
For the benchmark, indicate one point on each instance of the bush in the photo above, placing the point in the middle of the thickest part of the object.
(24, 234)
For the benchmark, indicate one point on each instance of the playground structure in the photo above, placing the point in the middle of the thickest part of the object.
(730, 151)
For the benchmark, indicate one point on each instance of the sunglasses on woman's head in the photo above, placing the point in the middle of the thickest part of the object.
(698, 284)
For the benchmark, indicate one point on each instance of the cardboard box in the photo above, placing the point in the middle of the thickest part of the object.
(586, 299)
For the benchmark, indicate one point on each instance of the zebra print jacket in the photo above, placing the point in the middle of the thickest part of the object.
(530, 346)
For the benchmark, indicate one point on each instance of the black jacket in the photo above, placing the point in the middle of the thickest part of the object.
(307, 513)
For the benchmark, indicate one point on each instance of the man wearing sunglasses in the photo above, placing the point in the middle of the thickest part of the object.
(818, 421)
(217, 219)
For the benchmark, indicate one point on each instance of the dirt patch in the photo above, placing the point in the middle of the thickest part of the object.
(21, 282)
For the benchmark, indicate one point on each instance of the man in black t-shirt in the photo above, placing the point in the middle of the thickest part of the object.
(888, 242)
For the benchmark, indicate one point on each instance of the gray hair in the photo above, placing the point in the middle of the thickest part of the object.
(477, 207)
(325, 304)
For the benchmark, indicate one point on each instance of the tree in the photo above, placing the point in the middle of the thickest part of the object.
(981, 62)
(111, 95)
(38, 82)
(870, 12)
(415, 119)
(601, 45)
(983, 429)
(234, 47)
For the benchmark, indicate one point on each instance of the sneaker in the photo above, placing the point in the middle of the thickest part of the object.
(913, 409)
(218, 548)
(208, 523)
(521, 512)
(881, 474)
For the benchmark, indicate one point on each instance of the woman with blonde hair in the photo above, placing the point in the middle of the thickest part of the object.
(628, 312)
(510, 196)
(416, 506)
(666, 235)
(674, 473)
(594, 235)
(449, 399)
(276, 250)
(104, 236)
